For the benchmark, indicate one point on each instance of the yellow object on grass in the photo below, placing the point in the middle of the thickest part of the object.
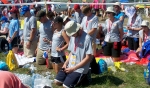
(22, 24)
(11, 61)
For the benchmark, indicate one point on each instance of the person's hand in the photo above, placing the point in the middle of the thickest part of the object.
(36, 51)
(45, 39)
(64, 67)
(69, 70)
(28, 45)
(21, 42)
(9, 40)
(129, 28)
(58, 49)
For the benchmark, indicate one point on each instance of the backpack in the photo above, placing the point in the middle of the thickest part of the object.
(94, 66)
(11, 61)
(4, 46)
(102, 66)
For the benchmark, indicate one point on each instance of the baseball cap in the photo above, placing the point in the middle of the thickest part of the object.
(58, 19)
(76, 6)
(24, 9)
(40, 14)
(13, 10)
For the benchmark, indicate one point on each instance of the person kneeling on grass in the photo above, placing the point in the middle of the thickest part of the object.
(57, 52)
(144, 35)
(78, 62)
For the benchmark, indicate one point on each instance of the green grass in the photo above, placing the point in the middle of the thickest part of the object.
(131, 79)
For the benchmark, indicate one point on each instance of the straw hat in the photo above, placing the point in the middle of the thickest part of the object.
(71, 28)
(110, 9)
(145, 23)
(64, 17)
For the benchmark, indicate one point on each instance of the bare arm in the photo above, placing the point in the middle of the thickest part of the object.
(121, 33)
(66, 40)
(83, 62)
(92, 31)
(4, 31)
(140, 45)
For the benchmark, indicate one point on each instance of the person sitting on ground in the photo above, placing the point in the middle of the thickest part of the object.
(77, 64)
(13, 37)
(4, 26)
(144, 35)
(29, 39)
(58, 47)
(9, 80)
(45, 38)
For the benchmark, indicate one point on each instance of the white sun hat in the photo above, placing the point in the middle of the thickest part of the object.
(118, 4)
(71, 28)
(145, 23)
(110, 9)
(64, 17)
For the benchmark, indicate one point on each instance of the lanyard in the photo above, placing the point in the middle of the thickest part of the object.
(110, 25)
(76, 43)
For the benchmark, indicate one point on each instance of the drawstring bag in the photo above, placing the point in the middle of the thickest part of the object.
(11, 61)
(102, 66)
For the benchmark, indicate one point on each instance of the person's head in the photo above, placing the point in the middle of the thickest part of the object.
(72, 29)
(58, 22)
(65, 19)
(3, 19)
(50, 15)
(117, 6)
(110, 12)
(25, 11)
(77, 8)
(41, 16)
(14, 13)
(145, 25)
(87, 11)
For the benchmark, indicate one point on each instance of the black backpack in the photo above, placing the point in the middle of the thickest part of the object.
(4, 46)
(94, 66)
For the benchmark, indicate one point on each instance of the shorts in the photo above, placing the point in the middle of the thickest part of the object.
(58, 60)
(133, 43)
(109, 49)
(69, 80)
(15, 42)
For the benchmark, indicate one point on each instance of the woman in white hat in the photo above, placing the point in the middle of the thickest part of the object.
(113, 35)
(133, 27)
(144, 35)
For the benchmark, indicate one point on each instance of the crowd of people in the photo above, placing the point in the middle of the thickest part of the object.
(75, 30)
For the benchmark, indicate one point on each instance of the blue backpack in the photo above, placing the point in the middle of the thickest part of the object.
(102, 66)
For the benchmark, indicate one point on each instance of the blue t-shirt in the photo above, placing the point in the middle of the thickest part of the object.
(4, 25)
(13, 27)
(118, 15)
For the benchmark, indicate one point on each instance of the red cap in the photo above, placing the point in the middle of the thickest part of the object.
(13, 10)
(76, 6)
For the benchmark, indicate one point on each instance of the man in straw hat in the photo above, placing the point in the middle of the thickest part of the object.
(119, 15)
(79, 58)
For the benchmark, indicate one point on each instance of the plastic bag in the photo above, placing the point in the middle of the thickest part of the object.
(3, 66)
(11, 61)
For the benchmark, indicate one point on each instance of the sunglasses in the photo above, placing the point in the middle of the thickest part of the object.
(108, 13)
